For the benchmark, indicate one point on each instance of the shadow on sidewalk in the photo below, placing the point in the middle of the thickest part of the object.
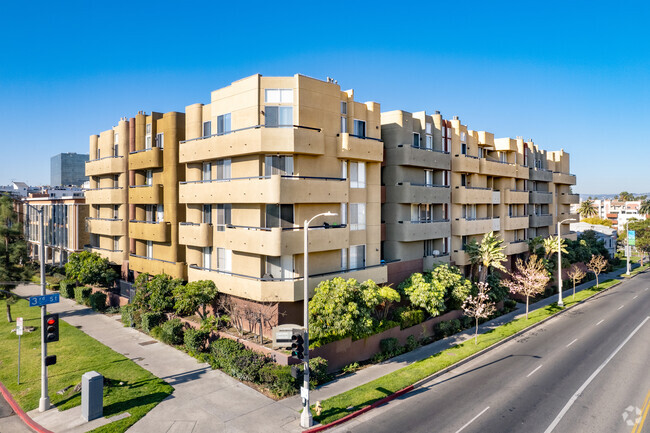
(188, 376)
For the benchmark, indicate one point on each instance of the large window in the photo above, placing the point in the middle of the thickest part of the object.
(149, 249)
(278, 96)
(357, 216)
(147, 138)
(116, 243)
(357, 175)
(149, 177)
(224, 211)
(160, 213)
(279, 215)
(278, 116)
(278, 164)
(357, 256)
(223, 124)
(116, 144)
(207, 171)
(428, 177)
(207, 128)
(469, 211)
(207, 258)
(279, 267)
(429, 247)
(416, 139)
(344, 124)
(207, 213)
(224, 260)
(160, 140)
(223, 169)
(422, 212)
(359, 128)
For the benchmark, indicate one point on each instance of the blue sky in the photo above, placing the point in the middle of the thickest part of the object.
(571, 75)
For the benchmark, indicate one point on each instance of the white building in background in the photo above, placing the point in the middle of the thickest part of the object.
(606, 234)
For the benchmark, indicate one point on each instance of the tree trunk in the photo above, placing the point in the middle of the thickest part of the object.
(596, 280)
(526, 307)
(476, 332)
(9, 319)
(574, 289)
(483, 274)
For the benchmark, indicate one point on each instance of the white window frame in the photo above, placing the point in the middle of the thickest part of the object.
(278, 96)
(224, 124)
(357, 126)
(147, 138)
(160, 140)
(224, 260)
(354, 256)
(207, 258)
(428, 143)
(149, 249)
(357, 216)
(206, 171)
(357, 174)
(344, 124)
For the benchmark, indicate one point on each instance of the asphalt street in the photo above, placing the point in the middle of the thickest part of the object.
(587, 370)
(9, 421)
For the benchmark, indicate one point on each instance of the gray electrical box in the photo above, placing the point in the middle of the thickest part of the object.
(92, 396)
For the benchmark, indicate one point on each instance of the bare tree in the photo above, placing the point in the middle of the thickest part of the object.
(479, 306)
(529, 279)
(576, 274)
(597, 264)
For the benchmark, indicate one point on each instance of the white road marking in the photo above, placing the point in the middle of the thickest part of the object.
(577, 394)
(619, 307)
(636, 297)
(531, 373)
(472, 420)
(600, 322)
(571, 342)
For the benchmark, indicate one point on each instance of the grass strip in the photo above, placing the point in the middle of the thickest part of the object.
(343, 404)
(128, 387)
(636, 271)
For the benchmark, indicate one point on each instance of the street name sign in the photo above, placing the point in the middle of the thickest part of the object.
(39, 301)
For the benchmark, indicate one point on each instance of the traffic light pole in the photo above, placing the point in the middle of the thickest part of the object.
(44, 402)
(306, 419)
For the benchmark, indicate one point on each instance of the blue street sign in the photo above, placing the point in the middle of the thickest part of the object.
(38, 301)
(631, 238)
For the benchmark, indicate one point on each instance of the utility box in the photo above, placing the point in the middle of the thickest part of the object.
(92, 396)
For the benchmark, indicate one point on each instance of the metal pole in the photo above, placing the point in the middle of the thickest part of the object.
(19, 359)
(559, 266)
(44, 402)
(627, 247)
(306, 419)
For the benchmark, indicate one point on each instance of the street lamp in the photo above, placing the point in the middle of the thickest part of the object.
(306, 419)
(627, 247)
(44, 402)
(559, 261)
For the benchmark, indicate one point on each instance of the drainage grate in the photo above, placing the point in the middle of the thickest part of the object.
(146, 343)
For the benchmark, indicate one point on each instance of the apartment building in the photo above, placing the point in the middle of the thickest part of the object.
(265, 155)
(133, 194)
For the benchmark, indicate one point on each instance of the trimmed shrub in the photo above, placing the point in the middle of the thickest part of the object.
(445, 329)
(148, 321)
(172, 332)
(248, 364)
(66, 288)
(196, 339)
(82, 294)
(410, 318)
(130, 315)
(318, 367)
(278, 379)
(389, 345)
(97, 301)
(411, 343)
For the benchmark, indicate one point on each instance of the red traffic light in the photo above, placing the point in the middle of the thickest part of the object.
(51, 321)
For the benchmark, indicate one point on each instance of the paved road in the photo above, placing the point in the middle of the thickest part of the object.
(578, 372)
(9, 421)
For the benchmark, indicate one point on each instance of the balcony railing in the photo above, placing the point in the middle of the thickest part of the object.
(425, 148)
(250, 127)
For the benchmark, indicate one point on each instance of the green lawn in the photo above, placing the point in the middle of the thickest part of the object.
(364, 395)
(76, 354)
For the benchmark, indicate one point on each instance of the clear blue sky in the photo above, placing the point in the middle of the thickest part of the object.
(569, 74)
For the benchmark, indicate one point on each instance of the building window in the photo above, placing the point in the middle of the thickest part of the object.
(224, 169)
(223, 124)
(160, 140)
(160, 213)
(481, 153)
(360, 128)
(207, 214)
(344, 169)
(147, 139)
(357, 256)
(278, 96)
(469, 211)
(344, 258)
(357, 174)
(445, 245)
(428, 128)
(116, 211)
(207, 128)
(344, 125)
(224, 260)
(463, 179)
(344, 213)
(149, 249)
(425, 213)
(278, 164)
(149, 178)
(223, 216)
(416, 139)
(98, 153)
(503, 156)
(357, 216)
(207, 171)
(344, 107)
(429, 248)
(463, 148)
(207, 258)
(429, 142)
(428, 177)
(278, 116)
(463, 243)
(279, 215)
(445, 177)
(116, 144)
(280, 267)
(116, 243)
(116, 181)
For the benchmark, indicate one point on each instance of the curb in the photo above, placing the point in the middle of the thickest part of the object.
(456, 365)
(21, 413)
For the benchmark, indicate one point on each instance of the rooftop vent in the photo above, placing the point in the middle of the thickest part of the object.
(437, 112)
(456, 118)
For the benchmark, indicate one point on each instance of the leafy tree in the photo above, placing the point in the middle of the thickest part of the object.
(13, 252)
(597, 264)
(425, 292)
(388, 298)
(90, 268)
(586, 209)
(536, 245)
(489, 254)
(551, 246)
(576, 274)
(644, 209)
(457, 287)
(598, 221)
(155, 294)
(625, 196)
(194, 297)
(529, 279)
(479, 306)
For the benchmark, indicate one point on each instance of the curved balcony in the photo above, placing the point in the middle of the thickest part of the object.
(465, 164)
(496, 168)
(411, 231)
(569, 198)
(266, 189)
(157, 266)
(469, 194)
(350, 146)
(466, 227)
(516, 247)
(541, 220)
(522, 172)
(146, 194)
(407, 192)
(106, 226)
(149, 230)
(105, 196)
(254, 140)
(113, 256)
(564, 178)
(541, 197)
(106, 165)
(511, 196)
(540, 175)
(146, 159)
(409, 155)
(515, 222)
(194, 234)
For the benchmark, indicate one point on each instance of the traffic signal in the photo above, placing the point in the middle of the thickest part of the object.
(298, 346)
(50, 360)
(51, 325)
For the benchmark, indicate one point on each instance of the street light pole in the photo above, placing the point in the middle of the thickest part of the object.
(627, 247)
(306, 419)
(559, 261)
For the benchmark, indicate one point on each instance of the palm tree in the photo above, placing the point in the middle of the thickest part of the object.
(586, 209)
(625, 196)
(550, 246)
(644, 209)
(488, 254)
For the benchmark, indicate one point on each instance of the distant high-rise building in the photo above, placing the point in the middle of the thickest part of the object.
(68, 169)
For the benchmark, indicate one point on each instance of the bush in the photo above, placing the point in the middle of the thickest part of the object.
(196, 339)
(318, 367)
(445, 328)
(466, 322)
(172, 332)
(82, 295)
(410, 318)
(510, 304)
(351, 368)
(127, 315)
(66, 288)
(148, 321)
(411, 343)
(389, 346)
(278, 379)
(247, 365)
(97, 301)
